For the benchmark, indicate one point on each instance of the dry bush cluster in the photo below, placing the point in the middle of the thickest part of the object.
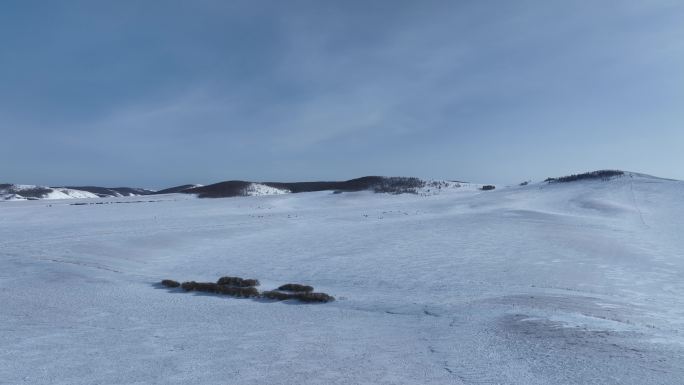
(170, 283)
(246, 288)
(295, 287)
(237, 281)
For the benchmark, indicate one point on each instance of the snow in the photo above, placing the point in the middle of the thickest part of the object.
(435, 187)
(12, 197)
(564, 283)
(257, 189)
(67, 193)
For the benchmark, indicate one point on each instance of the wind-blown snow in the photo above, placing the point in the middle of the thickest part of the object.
(566, 283)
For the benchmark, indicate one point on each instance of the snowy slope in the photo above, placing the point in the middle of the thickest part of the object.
(562, 283)
(67, 193)
(106, 192)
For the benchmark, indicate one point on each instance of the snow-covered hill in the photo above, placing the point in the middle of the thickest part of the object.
(108, 192)
(14, 192)
(575, 282)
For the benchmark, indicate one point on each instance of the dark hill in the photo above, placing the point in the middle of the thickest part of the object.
(34, 192)
(232, 188)
(379, 184)
(176, 189)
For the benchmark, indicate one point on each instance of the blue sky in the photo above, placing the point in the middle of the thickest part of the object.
(158, 93)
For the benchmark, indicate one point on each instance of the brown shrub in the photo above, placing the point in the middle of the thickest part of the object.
(295, 287)
(238, 287)
(188, 286)
(237, 282)
(208, 287)
(277, 295)
(170, 283)
(314, 297)
(301, 296)
(237, 291)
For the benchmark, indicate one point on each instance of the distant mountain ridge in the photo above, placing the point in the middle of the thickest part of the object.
(393, 185)
(236, 188)
(34, 192)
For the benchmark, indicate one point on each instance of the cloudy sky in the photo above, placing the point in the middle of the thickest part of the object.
(158, 93)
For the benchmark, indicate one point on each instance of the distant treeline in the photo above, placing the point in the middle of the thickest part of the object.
(600, 174)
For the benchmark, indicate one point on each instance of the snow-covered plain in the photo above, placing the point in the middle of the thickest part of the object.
(567, 283)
